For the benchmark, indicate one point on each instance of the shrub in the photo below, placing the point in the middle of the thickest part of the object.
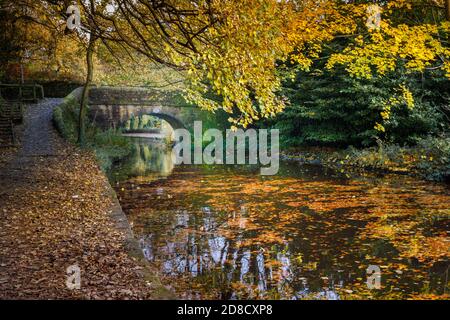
(330, 108)
(65, 118)
(430, 158)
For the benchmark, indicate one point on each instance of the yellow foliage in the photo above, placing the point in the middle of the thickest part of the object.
(379, 127)
(254, 35)
(234, 49)
(404, 96)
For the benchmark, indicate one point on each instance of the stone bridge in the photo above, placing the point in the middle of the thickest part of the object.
(113, 106)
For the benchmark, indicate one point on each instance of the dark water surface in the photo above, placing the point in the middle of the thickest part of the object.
(227, 232)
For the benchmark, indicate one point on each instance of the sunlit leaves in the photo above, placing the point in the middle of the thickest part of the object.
(231, 52)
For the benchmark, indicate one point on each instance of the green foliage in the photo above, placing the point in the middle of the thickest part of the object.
(142, 122)
(430, 158)
(65, 118)
(331, 108)
(434, 158)
(109, 146)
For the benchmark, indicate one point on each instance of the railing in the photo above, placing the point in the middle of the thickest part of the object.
(22, 92)
(7, 137)
(12, 110)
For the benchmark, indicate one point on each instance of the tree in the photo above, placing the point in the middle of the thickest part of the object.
(85, 93)
(447, 9)
(231, 51)
(25, 37)
(402, 39)
(228, 48)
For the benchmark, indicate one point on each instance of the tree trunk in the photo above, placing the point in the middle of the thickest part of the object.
(85, 94)
(22, 79)
(447, 9)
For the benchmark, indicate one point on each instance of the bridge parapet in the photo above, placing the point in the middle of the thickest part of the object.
(135, 96)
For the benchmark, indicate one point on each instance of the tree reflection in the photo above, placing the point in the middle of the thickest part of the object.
(148, 157)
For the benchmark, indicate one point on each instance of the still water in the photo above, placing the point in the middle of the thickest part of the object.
(226, 232)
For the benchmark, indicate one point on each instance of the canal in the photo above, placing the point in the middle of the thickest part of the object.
(227, 232)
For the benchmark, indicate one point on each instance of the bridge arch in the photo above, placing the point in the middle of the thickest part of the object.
(173, 121)
(113, 106)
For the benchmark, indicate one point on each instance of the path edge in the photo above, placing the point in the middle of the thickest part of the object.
(132, 246)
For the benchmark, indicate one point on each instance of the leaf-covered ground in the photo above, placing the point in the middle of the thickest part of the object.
(56, 212)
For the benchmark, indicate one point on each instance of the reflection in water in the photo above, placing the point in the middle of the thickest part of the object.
(148, 157)
(227, 232)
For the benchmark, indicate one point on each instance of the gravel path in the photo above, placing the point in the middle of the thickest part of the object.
(38, 141)
(38, 138)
